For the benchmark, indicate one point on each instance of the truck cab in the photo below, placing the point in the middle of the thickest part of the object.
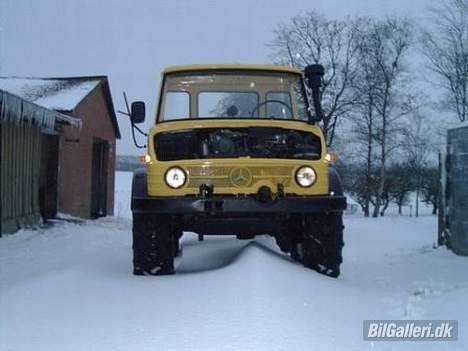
(237, 150)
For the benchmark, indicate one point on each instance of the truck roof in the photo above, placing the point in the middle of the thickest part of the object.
(234, 67)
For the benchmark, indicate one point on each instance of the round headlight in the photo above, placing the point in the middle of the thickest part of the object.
(306, 176)
(175, 177)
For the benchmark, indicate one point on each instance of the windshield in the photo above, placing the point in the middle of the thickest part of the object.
(233, 95)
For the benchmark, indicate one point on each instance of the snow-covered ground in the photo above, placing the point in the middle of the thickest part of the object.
(123, 191)
(69, 287)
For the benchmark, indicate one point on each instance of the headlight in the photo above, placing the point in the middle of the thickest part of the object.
(175, 177)
(306, 176)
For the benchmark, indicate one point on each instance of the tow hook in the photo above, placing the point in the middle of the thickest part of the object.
(264, 194)
(280, 191)
(206, 190)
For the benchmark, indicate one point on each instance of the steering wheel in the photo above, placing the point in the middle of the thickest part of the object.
(266, 102)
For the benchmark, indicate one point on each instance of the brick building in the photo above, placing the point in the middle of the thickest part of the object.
(84, 159)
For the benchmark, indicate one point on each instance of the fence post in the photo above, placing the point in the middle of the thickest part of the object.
(442, 208)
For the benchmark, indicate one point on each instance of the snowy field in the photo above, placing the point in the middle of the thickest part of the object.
(69, 287)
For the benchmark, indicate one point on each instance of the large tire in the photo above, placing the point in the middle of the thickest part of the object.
(290, 237)
(153, 245)
(323, 243)
(283, 243)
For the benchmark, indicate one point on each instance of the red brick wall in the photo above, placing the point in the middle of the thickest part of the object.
(75, 164)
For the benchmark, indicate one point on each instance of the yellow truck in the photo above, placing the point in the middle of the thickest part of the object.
(237, 150)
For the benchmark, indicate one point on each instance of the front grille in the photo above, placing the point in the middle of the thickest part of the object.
(227, 177)
(254, 142)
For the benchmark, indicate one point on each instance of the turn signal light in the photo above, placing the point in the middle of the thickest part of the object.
(145, 158)
(331, 157)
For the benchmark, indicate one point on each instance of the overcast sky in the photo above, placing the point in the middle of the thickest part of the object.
(132, 41)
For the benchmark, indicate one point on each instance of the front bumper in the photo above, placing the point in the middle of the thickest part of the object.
(227, 205)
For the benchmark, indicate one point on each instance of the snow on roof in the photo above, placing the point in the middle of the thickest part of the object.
(60, 94)
(17, 109)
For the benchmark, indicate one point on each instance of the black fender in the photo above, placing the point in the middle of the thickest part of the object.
(138, 185)
(334, 182)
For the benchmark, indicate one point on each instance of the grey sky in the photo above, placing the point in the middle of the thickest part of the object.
(131, 41)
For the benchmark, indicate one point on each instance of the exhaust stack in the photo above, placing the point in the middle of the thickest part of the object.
(314, 75)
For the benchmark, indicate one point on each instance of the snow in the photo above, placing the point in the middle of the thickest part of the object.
(55, 94)
(123, 185)
(70, 287)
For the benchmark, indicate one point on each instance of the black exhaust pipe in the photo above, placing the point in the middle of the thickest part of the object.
(313, 75)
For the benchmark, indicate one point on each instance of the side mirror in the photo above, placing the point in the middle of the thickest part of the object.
(138, 111)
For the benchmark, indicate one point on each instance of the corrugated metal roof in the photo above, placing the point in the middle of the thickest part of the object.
(17, 109)
(55, 94)
(62, 94)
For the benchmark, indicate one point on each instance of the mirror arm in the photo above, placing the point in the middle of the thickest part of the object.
(129, 115)
(126, 105)
(139, 130)
(134, 137)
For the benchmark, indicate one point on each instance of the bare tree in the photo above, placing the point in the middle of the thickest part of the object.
(363, 134)
(363, 117)
(356, 182)
(386, 44)
(401, 184)
(446, 48)
(430, 187)
(418, 147)
(312, 38)
(381, 99)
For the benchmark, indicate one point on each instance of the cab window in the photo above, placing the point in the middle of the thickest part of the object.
(226, 104)
(176, 105)
(278, 105)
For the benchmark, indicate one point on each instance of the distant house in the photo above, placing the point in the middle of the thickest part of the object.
(85, 157)
(28, 179)
(128, 163)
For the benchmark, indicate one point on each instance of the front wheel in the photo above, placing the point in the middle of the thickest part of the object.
(323, 243)
(153, 245)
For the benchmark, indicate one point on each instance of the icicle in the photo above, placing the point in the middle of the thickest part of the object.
(17, 110)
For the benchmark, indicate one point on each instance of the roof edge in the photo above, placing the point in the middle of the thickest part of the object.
(240, 67)
(97, 77)
(104, 83)
(110, 105)
(74, 122)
